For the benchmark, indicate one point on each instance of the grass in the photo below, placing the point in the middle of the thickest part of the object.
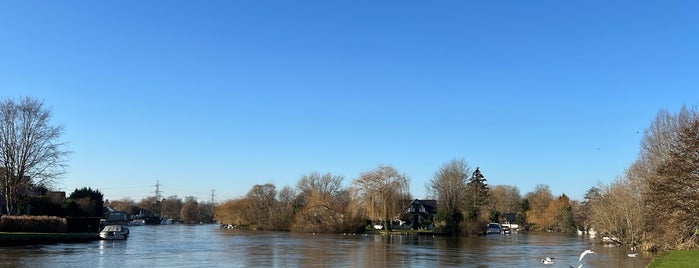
(676, 259)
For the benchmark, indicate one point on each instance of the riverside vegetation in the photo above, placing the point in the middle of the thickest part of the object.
(653, 204)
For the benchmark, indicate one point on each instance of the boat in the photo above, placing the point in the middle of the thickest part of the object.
(494, 228)
(137, 222)
(114, 232)
(506, 230)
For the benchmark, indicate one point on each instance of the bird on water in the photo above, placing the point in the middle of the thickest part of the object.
(547, 260)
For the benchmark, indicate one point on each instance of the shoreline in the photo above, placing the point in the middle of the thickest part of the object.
(8, 239)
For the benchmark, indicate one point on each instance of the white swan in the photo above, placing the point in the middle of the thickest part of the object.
(587, 251)
(547, 260)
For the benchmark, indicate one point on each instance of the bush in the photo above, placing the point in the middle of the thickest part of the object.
(38, 224)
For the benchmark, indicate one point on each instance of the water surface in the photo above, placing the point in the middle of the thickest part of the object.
(208, 246)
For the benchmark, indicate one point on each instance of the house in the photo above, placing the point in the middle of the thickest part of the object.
(421, 213)
(509, 219)
(113, 216)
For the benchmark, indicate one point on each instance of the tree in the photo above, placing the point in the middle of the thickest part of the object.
(285, 210)
(30, 150)
(323, 208)
(538, 201)
(669, 165)
(585, 209)
(126, 205)
(477, 194)
(262, 199)
(617, 209)
(190, 210)
(558, 215)
(206, 210)
(505, 198)
(151, 204)
(379, 192)
(449, 186)
(85, 202)
(171, 207)
(233, 212)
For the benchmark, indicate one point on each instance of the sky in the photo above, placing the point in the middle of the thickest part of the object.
(221, 95)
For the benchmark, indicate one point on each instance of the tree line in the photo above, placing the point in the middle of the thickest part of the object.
(319, 203)
(173, 207)
(654, 203)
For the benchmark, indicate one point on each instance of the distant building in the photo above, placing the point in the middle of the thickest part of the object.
(509, 219)
(113, 216)
(422, 213)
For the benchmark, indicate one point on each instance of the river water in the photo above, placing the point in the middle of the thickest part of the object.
(208, 246)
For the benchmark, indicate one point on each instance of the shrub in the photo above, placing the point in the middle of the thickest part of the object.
(39, 224)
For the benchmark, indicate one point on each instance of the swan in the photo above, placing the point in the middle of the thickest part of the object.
(587, 251)
(547, 260)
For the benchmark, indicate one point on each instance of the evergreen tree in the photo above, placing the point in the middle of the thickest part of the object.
(85, 202)
(478, 194)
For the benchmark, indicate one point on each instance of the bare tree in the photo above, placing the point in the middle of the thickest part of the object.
(379, 191)
(505, 198)
(151, 204)
(449, 186)
(125, 204)
(285, 210)
(262, 199)
(670, 161)
(233, 212)
(30, 150)
(190, 210)
(171, 207)
(617, 210)
(323, 209)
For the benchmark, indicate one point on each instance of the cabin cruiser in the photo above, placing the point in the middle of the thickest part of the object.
(494, 228)
(114, 232)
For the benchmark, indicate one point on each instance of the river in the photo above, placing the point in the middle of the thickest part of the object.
(208, 246)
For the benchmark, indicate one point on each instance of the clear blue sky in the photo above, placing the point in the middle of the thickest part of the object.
(203, 95)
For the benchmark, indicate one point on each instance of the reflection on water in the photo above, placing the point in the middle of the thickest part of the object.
(207, 246)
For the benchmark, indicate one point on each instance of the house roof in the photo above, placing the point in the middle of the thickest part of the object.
(429, 205)
(510, 216)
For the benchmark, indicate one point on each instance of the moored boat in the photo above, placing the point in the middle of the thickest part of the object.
(114, 232)
(494, 228)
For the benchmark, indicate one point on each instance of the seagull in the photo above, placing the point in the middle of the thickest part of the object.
(587, 251)
(547, 260)
(632, 255)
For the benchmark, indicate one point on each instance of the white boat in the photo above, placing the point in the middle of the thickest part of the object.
(165, 221)
(114, 232)
(494, 228)
(137, 222)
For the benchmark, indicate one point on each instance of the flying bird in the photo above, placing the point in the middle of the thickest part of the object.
(587, 251)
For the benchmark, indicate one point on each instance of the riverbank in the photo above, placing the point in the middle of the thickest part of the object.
(402, 232)
(676, 259)
(26, 238)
